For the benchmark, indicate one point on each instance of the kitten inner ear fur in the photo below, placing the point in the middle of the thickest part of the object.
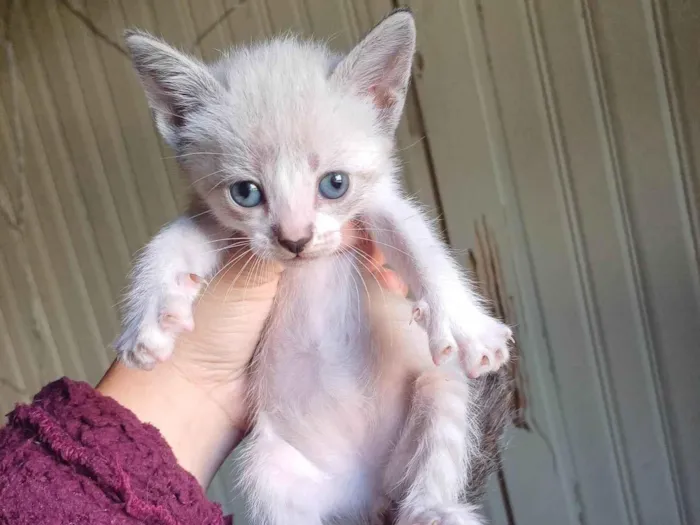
(175, 84)
(380, 66)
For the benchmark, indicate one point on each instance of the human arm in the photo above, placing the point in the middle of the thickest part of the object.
(144, 444)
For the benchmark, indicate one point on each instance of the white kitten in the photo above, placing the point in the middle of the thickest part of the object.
(287, 144)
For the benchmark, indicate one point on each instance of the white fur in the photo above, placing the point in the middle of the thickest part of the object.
(350, 414)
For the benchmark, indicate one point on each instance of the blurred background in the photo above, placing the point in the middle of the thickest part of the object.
(558, 141)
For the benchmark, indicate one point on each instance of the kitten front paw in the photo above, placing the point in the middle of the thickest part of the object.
(481, 341)
(150, 329)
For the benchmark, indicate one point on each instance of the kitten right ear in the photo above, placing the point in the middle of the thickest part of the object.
(175, 83)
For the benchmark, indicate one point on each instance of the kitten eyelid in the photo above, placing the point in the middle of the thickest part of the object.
(233, 180)
(238, 177)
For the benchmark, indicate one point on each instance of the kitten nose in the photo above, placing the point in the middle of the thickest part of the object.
(297, 246)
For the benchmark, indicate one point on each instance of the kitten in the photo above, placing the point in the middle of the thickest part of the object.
(287, 144)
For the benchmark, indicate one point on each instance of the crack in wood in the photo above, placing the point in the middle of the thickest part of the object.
(485, 263)
(90, 25)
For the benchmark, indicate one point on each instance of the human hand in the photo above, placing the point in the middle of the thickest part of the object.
(229, 318)
(197, 398)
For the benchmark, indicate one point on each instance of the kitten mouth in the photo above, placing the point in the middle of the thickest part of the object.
(297, 261)
(302, 258)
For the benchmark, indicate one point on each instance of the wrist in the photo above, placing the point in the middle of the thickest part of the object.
(201, 423)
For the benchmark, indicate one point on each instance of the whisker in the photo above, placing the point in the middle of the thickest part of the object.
(253, 270)
(369, 260)
(411, 145)
(381, 289)
(199, 214)
(239, 256)
(345, 256)
(417, 214)
(214, 187)
(250, 258)
(383, 244)
(226, 267)
(271, 325)
(201, 153)
(391, 332)
(227, 247)
(351, 260)
(340, 276)
(207, 175)
(368, 229)
(169, 113)
(212, 241)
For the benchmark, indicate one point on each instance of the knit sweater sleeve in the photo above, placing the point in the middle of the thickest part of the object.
(75, 456)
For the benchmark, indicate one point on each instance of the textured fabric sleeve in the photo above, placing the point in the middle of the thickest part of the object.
(75, 456)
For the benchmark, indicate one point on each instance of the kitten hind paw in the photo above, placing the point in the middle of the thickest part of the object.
(443, 515)
(480, 340)
(440, 338)
(487, 350)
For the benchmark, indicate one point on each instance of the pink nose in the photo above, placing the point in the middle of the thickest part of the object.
(295, 246)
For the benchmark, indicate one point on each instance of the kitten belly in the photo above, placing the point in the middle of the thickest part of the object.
(316, 378)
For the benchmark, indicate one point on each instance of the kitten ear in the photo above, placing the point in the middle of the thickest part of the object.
(175, 84)
(380, 65)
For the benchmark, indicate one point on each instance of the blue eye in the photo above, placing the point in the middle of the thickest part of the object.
(246, 194)
(334, 185)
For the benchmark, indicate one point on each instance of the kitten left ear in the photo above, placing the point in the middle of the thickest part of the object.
(380, 65)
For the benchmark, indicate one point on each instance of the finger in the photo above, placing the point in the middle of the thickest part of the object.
(357, 236)
(376, 254)
(387, 278)
(391, 281)
(365, 243)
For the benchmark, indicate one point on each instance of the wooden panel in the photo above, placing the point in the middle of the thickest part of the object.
(464, 123)
(563, 138)
(592, 163)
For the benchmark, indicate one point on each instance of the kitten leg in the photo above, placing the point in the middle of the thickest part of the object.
(165, 281)
(281, 485)
(446, 306)
(427, 470)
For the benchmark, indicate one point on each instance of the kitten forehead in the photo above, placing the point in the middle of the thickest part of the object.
(299, 64)
(280, 97)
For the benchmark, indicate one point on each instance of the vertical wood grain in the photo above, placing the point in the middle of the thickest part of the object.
(568, 131)
(560, 167)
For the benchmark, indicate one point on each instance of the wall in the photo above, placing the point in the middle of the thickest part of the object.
(558, 139)
(570, 128)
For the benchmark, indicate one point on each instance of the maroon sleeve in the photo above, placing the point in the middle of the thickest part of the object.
(75, 456)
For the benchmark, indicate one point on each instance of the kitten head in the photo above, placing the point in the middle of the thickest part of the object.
(284, 141)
